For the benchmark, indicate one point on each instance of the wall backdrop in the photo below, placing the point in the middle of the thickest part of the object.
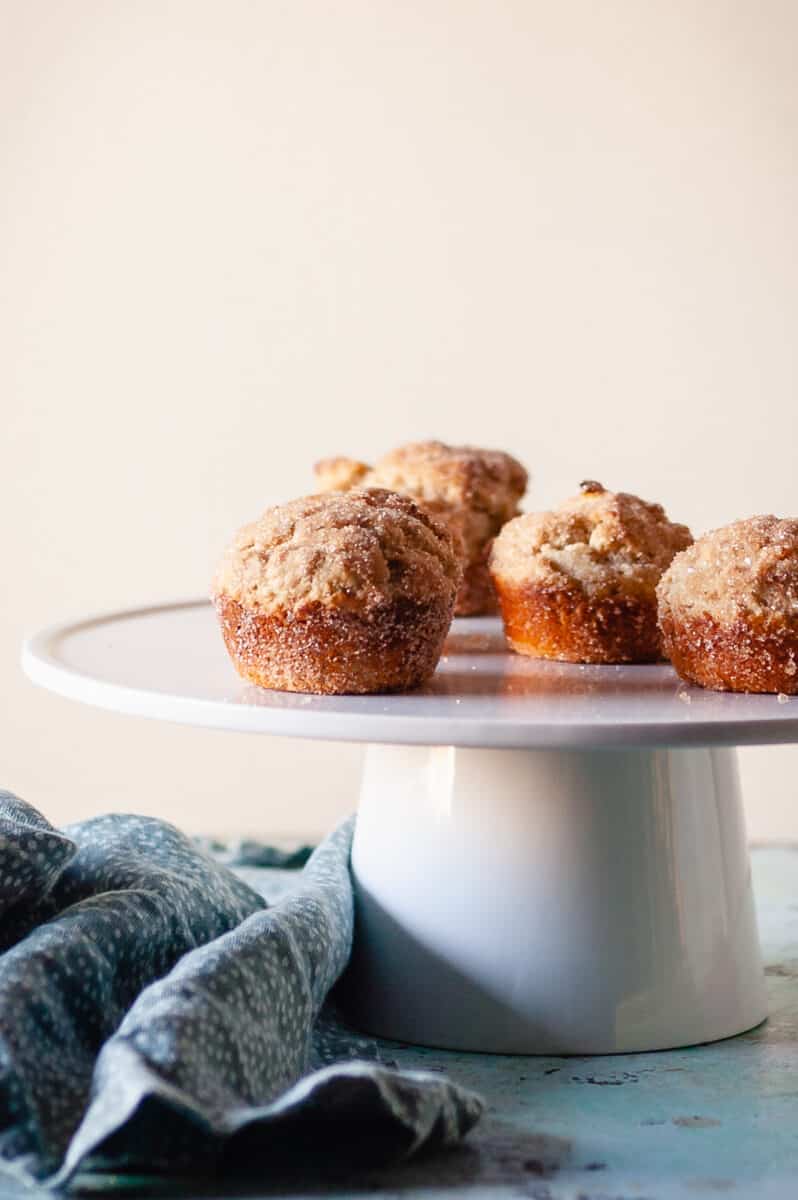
(237, 236)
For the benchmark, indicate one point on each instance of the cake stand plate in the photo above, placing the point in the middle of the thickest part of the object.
(555, 854)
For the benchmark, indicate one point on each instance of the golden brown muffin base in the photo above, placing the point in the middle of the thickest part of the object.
(333, 651)
(477, 595)
(564, 624)
(746, 656)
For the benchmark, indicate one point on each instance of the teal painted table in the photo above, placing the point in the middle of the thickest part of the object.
(711, 1120)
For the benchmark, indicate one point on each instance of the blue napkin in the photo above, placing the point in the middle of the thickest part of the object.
(158, 1014)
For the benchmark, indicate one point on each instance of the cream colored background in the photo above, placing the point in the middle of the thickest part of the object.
(237, 236)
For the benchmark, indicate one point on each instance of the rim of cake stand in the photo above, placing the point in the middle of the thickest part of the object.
(166, 661)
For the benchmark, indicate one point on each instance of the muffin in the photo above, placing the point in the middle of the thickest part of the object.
(728, 608)
(579, 583)
(338, 593)
(340, 474)
(473, 492)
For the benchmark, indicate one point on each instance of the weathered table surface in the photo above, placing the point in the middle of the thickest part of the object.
(699, 1122)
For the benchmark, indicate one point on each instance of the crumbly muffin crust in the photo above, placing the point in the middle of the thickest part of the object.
(344, 592)
(349, 550)
(578, 583)
(473, 492)
(605, 542)
(488, 481)
(728, 607)
(339, 474)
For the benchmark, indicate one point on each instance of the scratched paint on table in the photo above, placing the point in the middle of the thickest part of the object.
(706, 1121)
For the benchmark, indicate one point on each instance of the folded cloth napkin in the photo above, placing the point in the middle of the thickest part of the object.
(158, 1014)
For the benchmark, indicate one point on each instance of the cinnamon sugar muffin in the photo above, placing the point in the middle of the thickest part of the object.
(344, 592)
(578, 583)
(472, 491)
(340, 474)
(728, 608)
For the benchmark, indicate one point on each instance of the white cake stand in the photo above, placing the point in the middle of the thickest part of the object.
(548, 858)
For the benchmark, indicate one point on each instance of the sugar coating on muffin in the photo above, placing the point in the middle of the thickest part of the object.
(578, 583)
(340, 474)
(343, 592)
(474, 492)
(728, 607)
(487, 480)
(604, 541)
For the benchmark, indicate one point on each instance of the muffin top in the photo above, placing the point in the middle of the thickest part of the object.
(601, 541)
(354, 550)
(748, 568)
(339, 474)
(489, 480)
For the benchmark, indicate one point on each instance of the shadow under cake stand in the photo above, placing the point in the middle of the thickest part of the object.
(548, 858)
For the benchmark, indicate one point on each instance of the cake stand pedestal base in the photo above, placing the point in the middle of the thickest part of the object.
(553, 901)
